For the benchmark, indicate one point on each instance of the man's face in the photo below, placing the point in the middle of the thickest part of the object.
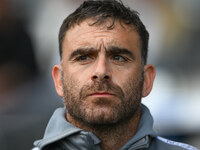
(102, 73)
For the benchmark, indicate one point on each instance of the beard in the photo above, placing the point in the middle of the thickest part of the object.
(102, 111)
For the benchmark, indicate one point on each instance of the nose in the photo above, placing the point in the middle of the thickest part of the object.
(101, 70)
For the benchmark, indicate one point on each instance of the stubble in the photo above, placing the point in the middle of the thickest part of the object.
(90, 111)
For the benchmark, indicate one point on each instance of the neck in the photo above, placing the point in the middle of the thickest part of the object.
(112, 136)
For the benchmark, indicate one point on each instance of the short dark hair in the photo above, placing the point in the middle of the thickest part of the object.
(99, 11)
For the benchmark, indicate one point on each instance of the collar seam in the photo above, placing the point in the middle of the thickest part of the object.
(143, 144)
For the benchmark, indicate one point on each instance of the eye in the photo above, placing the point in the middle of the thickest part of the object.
(83, 59)
(119, 58)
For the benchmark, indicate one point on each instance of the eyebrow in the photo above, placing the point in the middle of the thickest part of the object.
(111, 50)
(82, 51)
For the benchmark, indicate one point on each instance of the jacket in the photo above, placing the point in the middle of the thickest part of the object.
(61, 135)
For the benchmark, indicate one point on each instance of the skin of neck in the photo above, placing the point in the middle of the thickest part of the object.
(112, 136)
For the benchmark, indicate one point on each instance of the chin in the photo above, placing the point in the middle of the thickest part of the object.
(101, 116)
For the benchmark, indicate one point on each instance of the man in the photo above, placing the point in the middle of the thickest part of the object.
(102, 77)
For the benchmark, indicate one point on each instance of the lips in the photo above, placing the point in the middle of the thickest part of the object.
(101, 94)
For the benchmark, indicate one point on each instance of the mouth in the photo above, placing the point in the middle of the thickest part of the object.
(102, 94)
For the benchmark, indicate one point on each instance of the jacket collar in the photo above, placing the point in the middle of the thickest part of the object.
(59, 128)
(144, 131)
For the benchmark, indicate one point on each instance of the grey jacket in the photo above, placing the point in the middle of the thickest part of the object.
(61, 135)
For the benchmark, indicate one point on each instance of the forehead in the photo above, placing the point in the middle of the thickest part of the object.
(86, 34)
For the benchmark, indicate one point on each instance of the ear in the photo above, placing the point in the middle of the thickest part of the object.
(57, 78)
(149, 76)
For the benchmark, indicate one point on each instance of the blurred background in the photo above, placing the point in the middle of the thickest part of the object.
(29, 49)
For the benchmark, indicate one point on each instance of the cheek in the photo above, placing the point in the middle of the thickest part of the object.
(79, 74)
(123, 76)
